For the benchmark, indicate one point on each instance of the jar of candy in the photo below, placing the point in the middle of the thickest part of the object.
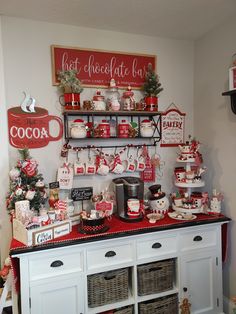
(113, 97)
(128, 99)
(70, 207)
(99, 101)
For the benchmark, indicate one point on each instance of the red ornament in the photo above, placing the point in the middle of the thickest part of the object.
(29, 167)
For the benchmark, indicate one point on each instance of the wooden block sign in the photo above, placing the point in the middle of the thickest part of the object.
(81, 194)
(97, 67)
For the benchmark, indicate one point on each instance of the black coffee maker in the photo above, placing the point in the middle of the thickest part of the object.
(129, 193)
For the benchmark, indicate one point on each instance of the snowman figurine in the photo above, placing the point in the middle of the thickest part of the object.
(159, 203)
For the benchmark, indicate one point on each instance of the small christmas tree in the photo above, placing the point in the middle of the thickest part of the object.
(26, 183)
(152, 86)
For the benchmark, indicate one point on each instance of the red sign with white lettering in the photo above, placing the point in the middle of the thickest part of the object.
(97, 68)
(31, 129)
(148, 175)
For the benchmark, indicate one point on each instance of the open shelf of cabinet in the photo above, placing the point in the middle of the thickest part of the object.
(132, 116)
(112, 306)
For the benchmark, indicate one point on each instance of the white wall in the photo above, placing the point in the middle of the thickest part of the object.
(27, 62)
(5, 228)
(215, 126)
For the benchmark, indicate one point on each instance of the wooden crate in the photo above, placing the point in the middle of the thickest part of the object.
(40, 235)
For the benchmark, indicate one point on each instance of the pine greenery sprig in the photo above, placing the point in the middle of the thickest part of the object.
(69, 83)
(152, 86)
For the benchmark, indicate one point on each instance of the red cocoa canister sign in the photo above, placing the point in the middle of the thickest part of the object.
(31, 129)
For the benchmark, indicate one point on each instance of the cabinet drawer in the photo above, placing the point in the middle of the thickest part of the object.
(155, 247)
(198, 239)
(55, 264)
(110, 255)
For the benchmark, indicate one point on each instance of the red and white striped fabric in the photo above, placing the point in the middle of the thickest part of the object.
(61, 205)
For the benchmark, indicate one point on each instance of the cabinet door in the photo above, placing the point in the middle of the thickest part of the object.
(58, 296)
(200, 279)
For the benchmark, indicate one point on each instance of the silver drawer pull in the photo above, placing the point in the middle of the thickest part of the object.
(110, 254)
(56, 263)
(197, 238)
(156, 245)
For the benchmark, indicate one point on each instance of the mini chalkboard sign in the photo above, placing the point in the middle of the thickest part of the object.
(54, 185)
(81, 194)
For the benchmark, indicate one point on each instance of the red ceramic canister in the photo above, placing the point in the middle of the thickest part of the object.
(104, 127)
(123, 129)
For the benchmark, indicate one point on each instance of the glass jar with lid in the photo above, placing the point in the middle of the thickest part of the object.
(128, 99)
(113, 97)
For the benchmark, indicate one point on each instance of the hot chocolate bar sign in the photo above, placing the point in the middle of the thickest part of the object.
(97, 68)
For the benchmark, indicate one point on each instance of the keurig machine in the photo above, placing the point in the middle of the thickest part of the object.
(129, 198)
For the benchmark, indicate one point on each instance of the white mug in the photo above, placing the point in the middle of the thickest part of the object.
(118, 169)
(130, 165)
(140, 164)
(103, 170)
(90, 168)
(79, 168)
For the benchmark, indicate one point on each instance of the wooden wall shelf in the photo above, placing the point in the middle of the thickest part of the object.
(232, 94)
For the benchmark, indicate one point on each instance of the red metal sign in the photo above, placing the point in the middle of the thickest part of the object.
(97, 68)
(31, 129)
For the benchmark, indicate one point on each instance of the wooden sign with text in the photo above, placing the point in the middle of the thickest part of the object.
(96, 67)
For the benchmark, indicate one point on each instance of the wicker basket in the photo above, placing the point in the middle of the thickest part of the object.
(123, 310)
(156, 277)
(165, 305)
(108, 287)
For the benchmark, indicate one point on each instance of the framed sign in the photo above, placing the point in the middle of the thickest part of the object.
(172, 127)
(97, 67)
(81, 194)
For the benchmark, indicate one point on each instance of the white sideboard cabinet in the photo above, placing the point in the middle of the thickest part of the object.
(55, 280)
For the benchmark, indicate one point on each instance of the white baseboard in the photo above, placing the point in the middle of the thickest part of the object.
(228, 305)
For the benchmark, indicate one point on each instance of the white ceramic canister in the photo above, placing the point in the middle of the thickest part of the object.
(78, 129)
(146, 128)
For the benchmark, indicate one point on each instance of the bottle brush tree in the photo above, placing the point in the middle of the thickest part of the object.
(152, 86)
